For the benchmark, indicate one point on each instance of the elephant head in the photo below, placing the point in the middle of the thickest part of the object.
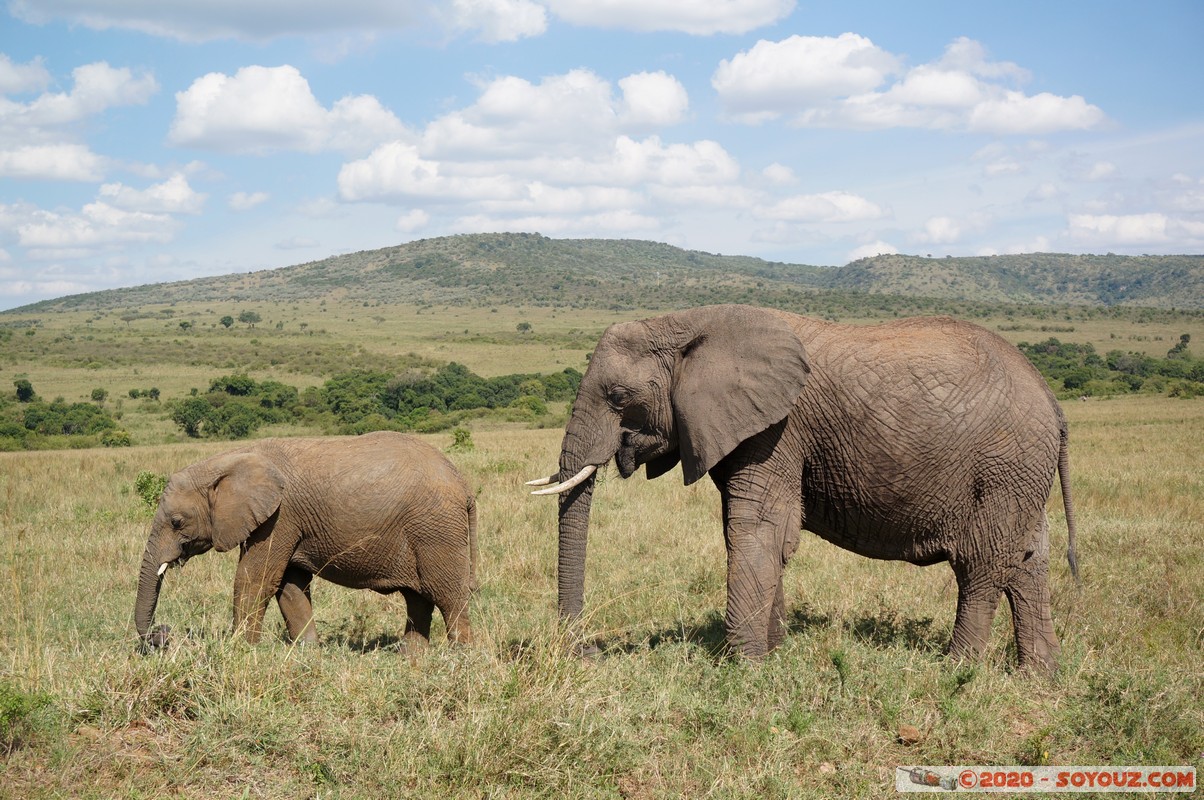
(688, 387)
(214, 504)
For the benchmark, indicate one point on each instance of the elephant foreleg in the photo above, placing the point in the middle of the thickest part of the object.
(761, 520)
(257, 579)
(296, 605)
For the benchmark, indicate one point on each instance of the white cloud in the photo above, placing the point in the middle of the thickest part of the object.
(1013, 112)
(97, 87)
(500, 20)
(21, 78)
(699, 17)
(1002, 167)
(775, 78)
(413, 220)
(396, 171)
(494, 20)
(1119, 229)
(1101, 170)
(261, 109)
(824, 207)
(61, 162)
(779, 174)
(878, 248)
(97, 225)
(224, 19)
(1045, 191)
(36, 136)
(940, 230)
(835, 82)
(245, 201)
(173, 196)
(575, 112)
(652, 100)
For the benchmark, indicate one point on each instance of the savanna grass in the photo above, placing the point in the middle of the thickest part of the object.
(663, 712)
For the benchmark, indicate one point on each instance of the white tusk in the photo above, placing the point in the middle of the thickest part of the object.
(560, 488)
(541, 481)
(163, 568)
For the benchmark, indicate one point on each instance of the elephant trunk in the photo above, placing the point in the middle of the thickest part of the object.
(160, 552)
(586, 443)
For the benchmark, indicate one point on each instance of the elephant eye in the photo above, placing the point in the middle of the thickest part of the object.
(177, 523)
(618, 396)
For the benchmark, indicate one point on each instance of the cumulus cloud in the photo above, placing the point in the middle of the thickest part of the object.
(173, 196)
(59, 162)
(1120, 229)
(22, 78)
(700, 17)
(490, 20)
(824, 207)
(575, 112)
(224, 19)
(877, 248)
(776, 78)
(245, 201)
(98, 224)
(413, 220)
(499, 20)
(37, 137)
(263, 109)
(846, 82)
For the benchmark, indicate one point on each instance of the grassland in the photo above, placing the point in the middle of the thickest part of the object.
(663, 712)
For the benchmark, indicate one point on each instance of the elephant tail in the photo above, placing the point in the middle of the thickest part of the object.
(1064, 476)
(472, 543)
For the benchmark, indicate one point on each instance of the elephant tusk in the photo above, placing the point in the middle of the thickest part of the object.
(163, 568)
(541, 481)
(560, 488)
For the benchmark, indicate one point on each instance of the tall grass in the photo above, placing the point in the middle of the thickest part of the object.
(664, 712)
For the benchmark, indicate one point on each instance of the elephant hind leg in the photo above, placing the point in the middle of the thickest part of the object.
(1027, 591)
(296, 606)
(977, 599)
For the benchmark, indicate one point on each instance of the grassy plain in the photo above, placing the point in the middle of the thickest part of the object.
(663, 712)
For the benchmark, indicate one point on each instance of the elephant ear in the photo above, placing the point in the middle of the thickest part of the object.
(246, 490)
(740, 372)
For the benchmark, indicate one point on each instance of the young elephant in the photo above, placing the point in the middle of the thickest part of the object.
(382, 511)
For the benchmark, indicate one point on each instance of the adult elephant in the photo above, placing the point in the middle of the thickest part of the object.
(382, 511)
(921, 440)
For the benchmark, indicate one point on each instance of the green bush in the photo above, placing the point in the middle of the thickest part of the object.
(116, 438)
(22, 716)
(149, 487)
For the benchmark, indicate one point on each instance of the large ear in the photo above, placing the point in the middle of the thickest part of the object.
(741, 371)
(246, 490)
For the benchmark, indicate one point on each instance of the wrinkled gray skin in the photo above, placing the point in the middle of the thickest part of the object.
(382, 511)
(923, 440)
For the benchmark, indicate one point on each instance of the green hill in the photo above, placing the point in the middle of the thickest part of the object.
(522, 268)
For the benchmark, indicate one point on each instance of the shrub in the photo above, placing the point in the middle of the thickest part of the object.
(116, 438)
(25, 392)
(22, 715)
(149, 487)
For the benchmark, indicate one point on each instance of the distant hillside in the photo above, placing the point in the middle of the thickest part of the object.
(513, 268)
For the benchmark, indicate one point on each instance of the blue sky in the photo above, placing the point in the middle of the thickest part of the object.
(155, 140)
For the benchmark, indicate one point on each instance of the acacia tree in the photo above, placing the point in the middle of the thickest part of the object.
(249, 318)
